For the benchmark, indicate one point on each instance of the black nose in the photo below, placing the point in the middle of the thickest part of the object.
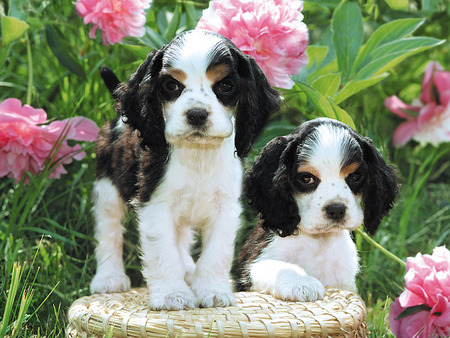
(196, 117)
(335, 211)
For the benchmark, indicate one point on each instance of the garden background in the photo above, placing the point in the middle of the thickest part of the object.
(48, 60)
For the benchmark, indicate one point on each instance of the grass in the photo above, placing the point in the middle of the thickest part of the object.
(46, 227)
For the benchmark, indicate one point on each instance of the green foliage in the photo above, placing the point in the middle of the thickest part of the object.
(360, 52)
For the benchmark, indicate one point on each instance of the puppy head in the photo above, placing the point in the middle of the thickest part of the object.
(314, 180)
(199, 88)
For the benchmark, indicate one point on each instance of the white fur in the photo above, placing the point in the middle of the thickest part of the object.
(195, 192)
(108, 213)
(322, 254)
(326, 155)
(200, 189)
(298, 267)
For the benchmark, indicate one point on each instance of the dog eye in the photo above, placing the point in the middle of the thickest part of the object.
(171, 86)
(224, 87)
(355, 178)
(307, 179)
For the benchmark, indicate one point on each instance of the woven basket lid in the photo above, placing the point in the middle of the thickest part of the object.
(339, 314)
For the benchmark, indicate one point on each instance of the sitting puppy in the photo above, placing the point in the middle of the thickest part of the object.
(186, 112)
(308, 188)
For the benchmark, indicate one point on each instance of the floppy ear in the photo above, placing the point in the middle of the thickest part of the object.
(269, 189)
(381, 188)
(257, 101)
(109, 78)
(139, 104)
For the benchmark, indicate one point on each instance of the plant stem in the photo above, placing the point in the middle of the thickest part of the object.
(30, 71)
(379, 247)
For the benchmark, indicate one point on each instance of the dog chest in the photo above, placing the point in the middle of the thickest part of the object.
(198, 183)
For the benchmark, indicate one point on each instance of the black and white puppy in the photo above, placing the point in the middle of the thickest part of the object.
(186, 112)
(308, 188)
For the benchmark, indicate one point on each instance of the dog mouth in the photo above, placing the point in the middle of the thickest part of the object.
(196, 137)
(329, 227)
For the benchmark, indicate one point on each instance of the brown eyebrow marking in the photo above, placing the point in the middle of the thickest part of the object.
(349, 169)
(217, 73)
(309, 169)
(177, 74)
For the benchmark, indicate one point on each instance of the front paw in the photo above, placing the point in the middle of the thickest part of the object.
(109, 284)
(172, 299)
(299, 289)
(208, 295)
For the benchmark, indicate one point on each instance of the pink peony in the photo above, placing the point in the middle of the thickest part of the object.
(26, 142)
(116, 18)
(427, 283)
(428, 118)
(271, 31)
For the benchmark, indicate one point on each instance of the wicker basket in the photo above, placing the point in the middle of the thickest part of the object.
(339, 314)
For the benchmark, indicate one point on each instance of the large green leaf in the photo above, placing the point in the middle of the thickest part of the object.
(12, 29)
(174, 23)
(341, 114)
(348, 34)
(354, 86)
(324, 106)
(316, 55)
(391, 54)
(152, 39)
(394, 30)
(398, 4)
(327, 85)
(63, 51)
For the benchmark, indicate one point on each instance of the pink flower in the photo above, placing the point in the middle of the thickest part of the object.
(116, 18)
(27, 143)
(271, 31)
(427, 282)
(428, 118)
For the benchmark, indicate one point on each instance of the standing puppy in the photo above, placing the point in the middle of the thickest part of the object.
(189, 109)
(308, 187)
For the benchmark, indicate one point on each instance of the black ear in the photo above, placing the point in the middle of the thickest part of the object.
(139, 104)
(269, 189)
(109, 78)
(381, 188)
(257, 101)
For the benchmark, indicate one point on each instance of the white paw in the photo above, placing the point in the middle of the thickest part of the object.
(300, 289)
(109, 284)
(214, 296)
(172, 299)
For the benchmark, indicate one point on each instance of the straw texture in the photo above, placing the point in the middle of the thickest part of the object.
(339, 314)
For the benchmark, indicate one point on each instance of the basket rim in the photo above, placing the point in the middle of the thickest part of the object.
(339, 313)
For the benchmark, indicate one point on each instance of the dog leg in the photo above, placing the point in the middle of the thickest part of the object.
(211, 279)
(108, 213)
(285, 281)
(185, 242)
(163, 267)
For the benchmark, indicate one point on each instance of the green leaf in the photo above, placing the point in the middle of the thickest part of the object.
(191, 14)
(63, 51)
(12, 29)
(140, 52)
(398, 4)
(327, 85)
(389, 32)
(342, 115)
(391, 54)
(325, 106)
(316, 55)
(172, 28)
(413, 310)
(433, 5)
(152, 39)
(354, 86)
(348, 33)
(329, 68)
